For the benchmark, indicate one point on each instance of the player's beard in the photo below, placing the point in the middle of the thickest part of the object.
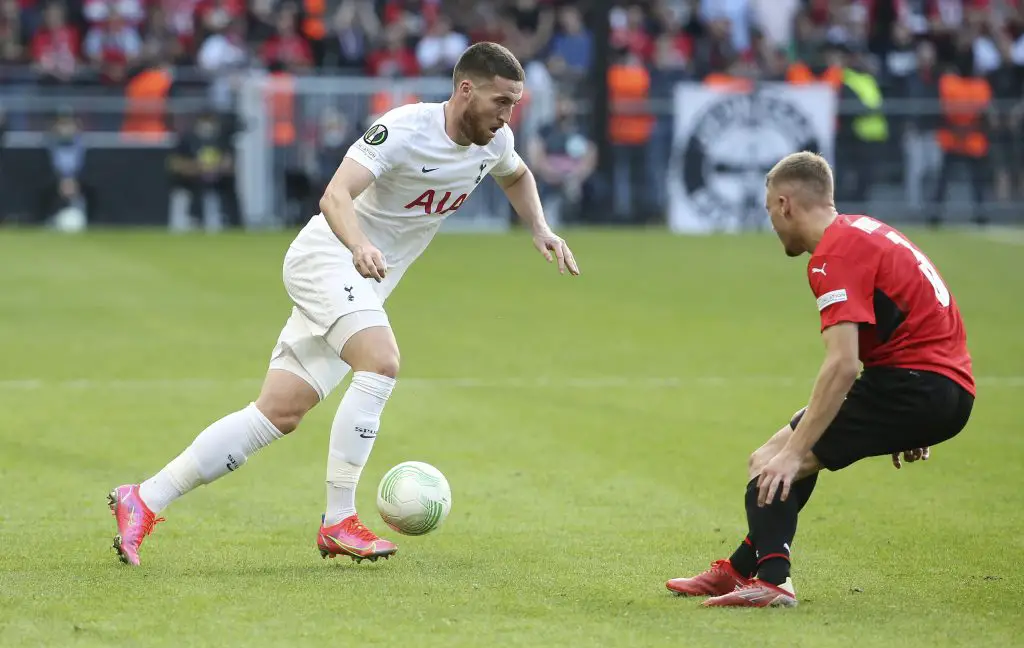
(475, 125)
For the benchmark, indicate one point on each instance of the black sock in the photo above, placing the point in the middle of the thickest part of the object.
(802, 489)
(772, 528)
(743, 559)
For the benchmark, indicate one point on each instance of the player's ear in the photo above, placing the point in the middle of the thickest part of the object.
(784, 206)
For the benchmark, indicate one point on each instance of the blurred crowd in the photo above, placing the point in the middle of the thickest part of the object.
(897, 65)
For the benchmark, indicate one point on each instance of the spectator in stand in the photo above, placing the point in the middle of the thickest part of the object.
(734, 15)
(774, 62)
(536, 23)
(415, 16)
(98, 12)
(629, 129)
(901, 60)
(222, 57)
(11, 32)
(215, 15)
(202, 178)
(573, 43)
(354, 28)
(564, 159)
(485, 24)
(921, 151)
(288, 46)
(313, 27)
(439, 50)
(670, 66)
(260, 21)
(715, 52)
(395, 57)
(509, 34)
(223, 50)
(64, 200)
(808, 41)
(1005, 80)
(776, 19)
(113, 46)
(324, 144)
(56, 46)
(629, 30)
(156, 35)
(963, 135)
(179, 24)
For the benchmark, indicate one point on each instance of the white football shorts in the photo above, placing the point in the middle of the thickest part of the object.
(331, 303)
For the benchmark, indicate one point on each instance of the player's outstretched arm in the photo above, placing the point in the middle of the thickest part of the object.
(521, 189)
(350, 180)
(835, 378)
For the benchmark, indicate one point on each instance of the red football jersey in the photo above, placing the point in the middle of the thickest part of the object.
(866, 272)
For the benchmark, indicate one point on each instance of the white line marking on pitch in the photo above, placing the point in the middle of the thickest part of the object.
(594, 382)
(1005, 235)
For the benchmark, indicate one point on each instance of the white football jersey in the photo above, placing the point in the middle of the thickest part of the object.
(422, 176)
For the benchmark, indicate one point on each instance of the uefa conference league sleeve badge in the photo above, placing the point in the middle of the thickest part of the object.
(376, 135)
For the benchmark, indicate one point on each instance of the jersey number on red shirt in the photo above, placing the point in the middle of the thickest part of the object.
(927, 269)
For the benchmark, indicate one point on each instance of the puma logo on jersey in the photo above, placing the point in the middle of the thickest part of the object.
(821, 270)
(426, 200)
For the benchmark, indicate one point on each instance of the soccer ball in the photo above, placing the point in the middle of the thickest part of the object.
(414, 498)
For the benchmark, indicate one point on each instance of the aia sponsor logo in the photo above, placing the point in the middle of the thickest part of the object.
(433, 202)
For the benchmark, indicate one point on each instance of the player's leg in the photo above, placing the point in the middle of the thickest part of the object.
(372, 352)
(223, 447)
(745, 558)
(765, 553)
(303, 370)
(725, 575)
(878, 411)
(364, 340)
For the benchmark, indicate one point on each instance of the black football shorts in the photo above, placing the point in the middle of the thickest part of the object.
(890, 409)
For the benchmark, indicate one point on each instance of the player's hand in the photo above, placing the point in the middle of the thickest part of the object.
(369, 262)
(553, 247)
(910, 456)
(777, 476)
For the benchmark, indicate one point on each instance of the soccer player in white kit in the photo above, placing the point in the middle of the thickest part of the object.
(414, 166)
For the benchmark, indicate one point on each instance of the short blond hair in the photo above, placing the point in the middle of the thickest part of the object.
(808, 169)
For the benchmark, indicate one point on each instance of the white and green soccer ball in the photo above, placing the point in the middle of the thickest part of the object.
(414, 498)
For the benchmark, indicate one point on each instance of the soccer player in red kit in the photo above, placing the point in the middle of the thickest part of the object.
(882, 304)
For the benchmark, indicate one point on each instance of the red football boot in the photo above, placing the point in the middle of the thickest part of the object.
(720, 579)
(134, 521)
(757, 593)
(351, 538)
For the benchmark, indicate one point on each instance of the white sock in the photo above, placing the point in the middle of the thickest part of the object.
(219, 449)
(352, 435)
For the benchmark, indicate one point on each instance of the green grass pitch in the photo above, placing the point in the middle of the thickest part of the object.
(595, 432)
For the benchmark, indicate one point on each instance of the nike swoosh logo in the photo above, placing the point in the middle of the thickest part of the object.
(426, 170)
(371, 547)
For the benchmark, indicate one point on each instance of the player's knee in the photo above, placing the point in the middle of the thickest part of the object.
(756, 462)
(385, 363)
(286, 396)
(383, 360)
(284, 417)
(284, 411)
